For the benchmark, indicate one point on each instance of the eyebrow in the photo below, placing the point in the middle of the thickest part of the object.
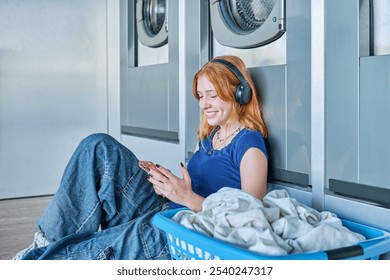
(207, 91)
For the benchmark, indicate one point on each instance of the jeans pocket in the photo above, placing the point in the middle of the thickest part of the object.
(154, 242)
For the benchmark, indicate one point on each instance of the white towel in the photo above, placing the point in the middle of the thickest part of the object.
(278, 225)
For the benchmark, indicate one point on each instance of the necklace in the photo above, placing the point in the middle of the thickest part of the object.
(227, 137)
(222, 142)
(210, 151)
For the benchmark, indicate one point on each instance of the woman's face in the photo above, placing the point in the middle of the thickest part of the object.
(215, 110)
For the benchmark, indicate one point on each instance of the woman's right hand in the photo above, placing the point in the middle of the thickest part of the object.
(178, 190)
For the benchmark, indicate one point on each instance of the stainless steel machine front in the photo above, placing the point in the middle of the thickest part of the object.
(152, 25)
(247, 24)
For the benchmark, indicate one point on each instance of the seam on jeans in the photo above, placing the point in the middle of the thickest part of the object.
(106, 165)
(144, 244)
(89, 216)
(124, 191)
(164, 252)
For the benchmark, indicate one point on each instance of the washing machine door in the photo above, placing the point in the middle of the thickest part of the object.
(247, 23)
(152, 22)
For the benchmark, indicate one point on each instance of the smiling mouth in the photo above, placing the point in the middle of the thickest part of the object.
(210, 113)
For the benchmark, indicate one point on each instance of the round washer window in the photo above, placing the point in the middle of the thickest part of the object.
(152, 22)
(154, 16)
(247, 23)
(244, 16)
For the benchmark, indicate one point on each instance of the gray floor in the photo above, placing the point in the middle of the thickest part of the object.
(18, 223)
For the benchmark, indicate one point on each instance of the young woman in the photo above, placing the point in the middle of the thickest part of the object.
(105, 203)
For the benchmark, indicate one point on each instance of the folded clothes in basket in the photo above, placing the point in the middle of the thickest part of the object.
(277, 225)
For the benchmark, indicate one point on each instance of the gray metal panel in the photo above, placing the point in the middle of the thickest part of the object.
(364, 27)
(53, 88)
(149, 94)
(374, 17)
(318, 102)
(342, 89)
(113, 68)
(270, 83)
(381, 27)
(274, 95)
(298, 85)
(129, 49)
(354, 124)
(173, 68)
(146, 91)
(150, 56)
(272, 54)
(374, 121)
(195, 25)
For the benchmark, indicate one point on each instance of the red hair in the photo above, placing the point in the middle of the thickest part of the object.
(225, 83)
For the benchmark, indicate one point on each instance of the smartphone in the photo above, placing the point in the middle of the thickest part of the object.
(148, 165)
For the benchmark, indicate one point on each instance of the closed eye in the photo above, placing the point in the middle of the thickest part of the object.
(210, 94)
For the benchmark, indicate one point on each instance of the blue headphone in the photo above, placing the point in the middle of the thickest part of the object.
(243, 92)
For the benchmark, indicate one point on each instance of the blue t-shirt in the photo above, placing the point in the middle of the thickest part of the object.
(211, 170)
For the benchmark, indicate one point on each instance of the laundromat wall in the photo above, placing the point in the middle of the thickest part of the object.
(325, 88)
(57, 78)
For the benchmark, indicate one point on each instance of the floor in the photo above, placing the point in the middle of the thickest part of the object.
(18, 223)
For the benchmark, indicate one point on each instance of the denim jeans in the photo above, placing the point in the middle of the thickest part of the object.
(103, 207)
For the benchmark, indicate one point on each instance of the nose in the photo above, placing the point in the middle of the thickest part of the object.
(204, 102)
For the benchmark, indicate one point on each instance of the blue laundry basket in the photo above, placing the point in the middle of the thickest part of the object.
(187, 244)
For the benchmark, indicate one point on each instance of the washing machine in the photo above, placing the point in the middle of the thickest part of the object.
(272, 37)
(152, 22)
(150, 36)
(247, 24)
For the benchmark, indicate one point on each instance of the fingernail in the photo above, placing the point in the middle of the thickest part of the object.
(182, 165)
(157, 165)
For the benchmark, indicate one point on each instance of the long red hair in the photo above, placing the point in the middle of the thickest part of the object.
(225, 83)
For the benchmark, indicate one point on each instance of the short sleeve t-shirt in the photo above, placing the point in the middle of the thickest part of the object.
(211, 170)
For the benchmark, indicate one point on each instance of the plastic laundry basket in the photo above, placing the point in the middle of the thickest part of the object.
(187, 244)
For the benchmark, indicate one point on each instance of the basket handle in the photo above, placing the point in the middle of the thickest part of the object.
(345, 252)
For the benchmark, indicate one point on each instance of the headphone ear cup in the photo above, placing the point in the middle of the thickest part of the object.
(243, 94)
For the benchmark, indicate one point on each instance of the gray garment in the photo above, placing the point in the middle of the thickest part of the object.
(276, 226)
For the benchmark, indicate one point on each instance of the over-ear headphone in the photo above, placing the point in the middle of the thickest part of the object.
(243, 92)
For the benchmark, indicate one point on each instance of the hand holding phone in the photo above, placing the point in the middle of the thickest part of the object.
(148, 165)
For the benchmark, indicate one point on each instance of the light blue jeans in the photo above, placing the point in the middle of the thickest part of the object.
(103, 208)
